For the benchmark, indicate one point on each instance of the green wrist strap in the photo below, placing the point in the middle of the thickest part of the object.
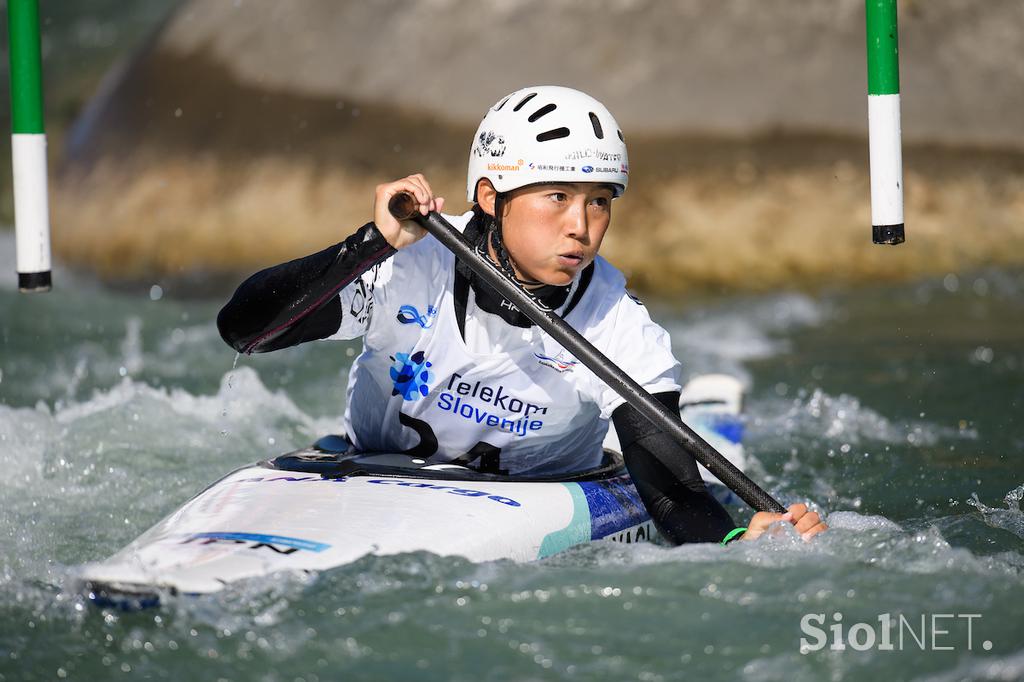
(733, 534)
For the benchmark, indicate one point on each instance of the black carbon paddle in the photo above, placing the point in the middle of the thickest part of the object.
(404, 207)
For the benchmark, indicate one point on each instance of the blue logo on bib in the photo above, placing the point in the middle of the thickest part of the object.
(410, 375)
(408, 314)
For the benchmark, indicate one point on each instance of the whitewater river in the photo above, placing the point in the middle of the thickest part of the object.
(896, 411)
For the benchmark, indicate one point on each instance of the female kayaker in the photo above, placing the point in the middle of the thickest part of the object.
(451, 371)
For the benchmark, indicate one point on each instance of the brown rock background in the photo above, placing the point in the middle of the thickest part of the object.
(250, 132)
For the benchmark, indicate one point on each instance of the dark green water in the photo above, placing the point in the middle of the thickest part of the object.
(895, 411)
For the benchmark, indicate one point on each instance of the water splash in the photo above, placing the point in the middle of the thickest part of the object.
(131, 347)
(845, 419)
(1011, 518)
(104, 450)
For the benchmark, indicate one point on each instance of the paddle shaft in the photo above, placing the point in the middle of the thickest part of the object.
(403, 207)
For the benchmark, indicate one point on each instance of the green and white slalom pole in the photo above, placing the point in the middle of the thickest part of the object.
(884, 137)
(28, 147)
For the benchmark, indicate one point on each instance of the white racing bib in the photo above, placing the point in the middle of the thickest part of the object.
(532, 407)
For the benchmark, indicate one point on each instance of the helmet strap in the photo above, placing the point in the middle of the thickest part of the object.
(497, 240)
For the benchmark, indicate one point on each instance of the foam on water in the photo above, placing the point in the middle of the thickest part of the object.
(84, 478)
(91, 457)
(818, 416)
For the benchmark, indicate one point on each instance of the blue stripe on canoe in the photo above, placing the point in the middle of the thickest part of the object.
(600, 509)
(298, 543)
(614, 506)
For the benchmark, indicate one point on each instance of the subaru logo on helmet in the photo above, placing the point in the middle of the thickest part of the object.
(587, 169)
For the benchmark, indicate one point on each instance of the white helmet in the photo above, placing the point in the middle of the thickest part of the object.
(547, 134)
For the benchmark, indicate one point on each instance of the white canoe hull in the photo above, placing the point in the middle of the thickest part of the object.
(259, 520)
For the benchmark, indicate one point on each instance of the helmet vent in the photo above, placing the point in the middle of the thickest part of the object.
(555, 134)
(543, 111)
(524, 100)
(597, 126)
(503, 103)
(621, 137)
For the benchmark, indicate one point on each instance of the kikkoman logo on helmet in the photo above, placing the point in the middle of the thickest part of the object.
(505, 166)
